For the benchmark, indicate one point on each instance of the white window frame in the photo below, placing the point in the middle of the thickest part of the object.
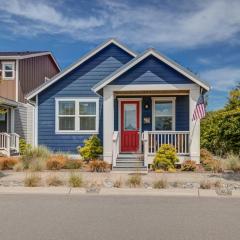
(77, 116)
(4, 71)
(164, 99)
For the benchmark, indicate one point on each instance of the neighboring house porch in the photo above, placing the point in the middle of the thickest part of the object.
(9, 140)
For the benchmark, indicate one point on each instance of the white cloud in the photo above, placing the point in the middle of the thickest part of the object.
(191, 24)
(222, 79)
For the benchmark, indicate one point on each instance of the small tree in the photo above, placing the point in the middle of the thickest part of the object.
(92, 148)
(165, 158)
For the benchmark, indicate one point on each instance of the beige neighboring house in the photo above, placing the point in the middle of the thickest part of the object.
(20, 73)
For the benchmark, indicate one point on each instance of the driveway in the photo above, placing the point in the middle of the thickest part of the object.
(60, 217)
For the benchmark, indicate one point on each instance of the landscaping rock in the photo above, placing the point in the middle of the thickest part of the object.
(108, 183)
(191, 185)
(93, 189)
(146, 185)
(224, 191)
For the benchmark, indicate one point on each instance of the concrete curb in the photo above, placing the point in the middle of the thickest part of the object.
(116, 191)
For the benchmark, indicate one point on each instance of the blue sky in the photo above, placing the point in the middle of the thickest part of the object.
(203, 36)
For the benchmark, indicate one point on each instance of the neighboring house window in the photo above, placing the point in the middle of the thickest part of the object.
(163, 114)
(8, 70)
(77, 115)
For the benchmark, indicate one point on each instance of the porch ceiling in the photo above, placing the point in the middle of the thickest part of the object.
(4, 102)
(152, 93)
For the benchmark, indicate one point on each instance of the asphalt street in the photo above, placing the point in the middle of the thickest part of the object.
(60, 217)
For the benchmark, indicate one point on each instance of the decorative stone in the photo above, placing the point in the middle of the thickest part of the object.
(93, 188)
(224, 191)
(108, 183)
(146, 185)
(191, 185)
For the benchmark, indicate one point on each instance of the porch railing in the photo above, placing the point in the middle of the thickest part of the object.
(8, 142)
(115, 147)
(154, 139)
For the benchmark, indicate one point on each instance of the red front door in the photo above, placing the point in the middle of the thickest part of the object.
(130, 126)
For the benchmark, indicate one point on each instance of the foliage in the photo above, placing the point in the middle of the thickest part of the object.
(33, 180)
(98, 166)
(165, 158)
(33, 154)
(209, 162)
(172, 170)
(134, 180)
(56, 162)
(232, 162)
(162, 183)
(92, 148)
(37, 165)
(189, 166)
(23, 146)
(73, 164)
(118, 183)
(54, 181)
(18, 167)
(7, 163)
(205, 184)
(220, 130)
(75, 180)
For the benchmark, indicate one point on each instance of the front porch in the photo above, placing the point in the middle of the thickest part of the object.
(163, 117)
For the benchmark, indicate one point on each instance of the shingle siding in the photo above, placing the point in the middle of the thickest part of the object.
(76, 84)
(151, 71)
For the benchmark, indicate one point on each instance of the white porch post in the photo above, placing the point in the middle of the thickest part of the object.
(108, 124)
(194, 136)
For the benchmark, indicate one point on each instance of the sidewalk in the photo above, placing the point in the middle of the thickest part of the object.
(116, 191)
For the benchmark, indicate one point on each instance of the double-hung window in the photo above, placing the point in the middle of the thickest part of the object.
(8, 70)
(77, 115)
(164, 114)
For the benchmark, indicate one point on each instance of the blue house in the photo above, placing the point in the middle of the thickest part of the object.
(133, 102)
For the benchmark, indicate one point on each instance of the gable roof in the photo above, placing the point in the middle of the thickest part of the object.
(26, 54)
(78, 63)
(141, 57)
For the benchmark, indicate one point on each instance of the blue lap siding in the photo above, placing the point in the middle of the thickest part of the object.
(76, 84)
(151, 71)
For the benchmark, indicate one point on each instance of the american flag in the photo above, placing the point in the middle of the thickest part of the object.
(199, 111)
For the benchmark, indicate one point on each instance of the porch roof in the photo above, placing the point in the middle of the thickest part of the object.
(139, 58)
(4, 102)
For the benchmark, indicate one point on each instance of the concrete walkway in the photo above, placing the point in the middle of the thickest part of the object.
(116, 191)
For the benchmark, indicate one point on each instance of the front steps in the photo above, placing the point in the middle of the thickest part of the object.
(130, 162)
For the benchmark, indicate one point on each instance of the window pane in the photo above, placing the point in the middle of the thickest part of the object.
(66, 123)
(8, 74)
(163, 123)
(87, 123)
(163, 108)
(66, 108)
(8, 67)
(130, 121)
(87, 108)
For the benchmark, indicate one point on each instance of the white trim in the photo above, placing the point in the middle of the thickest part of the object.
(17, 79)
(4, 63)
(173, 100)
(76, 64)
(76, 116)
(36, 122)
(140, 119)
(135, 61)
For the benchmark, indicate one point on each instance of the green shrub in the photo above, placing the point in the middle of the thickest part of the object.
(189, 166)
(92, 148)
(32, 180)
(165, 158)
(33, 153)
(134, 180)
(73, 164)
(98, 166)
(159, 184)
(232, 162)
(54, 181)
(75, 180)
(23, 146)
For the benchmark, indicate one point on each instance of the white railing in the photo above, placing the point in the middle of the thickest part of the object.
(8, 142)
(115, 147)
(5, 143)
(14, 141)
(154, 139)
